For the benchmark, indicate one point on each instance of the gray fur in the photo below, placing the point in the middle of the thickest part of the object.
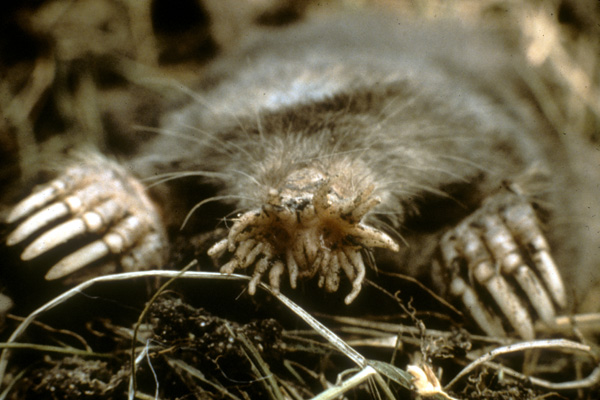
(437, 117)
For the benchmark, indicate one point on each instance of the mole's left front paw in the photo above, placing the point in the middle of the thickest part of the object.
(501, 249)
(98, 198)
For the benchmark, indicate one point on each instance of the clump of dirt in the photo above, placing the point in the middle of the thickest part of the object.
(72, 378)
(486, 385)
(218, 347)
(187, 351)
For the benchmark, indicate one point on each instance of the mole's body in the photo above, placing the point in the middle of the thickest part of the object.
(334, 140)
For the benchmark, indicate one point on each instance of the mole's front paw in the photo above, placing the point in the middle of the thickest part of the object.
(501, 249)
(94, 199)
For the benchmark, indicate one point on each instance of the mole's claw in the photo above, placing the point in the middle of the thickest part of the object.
(119, 239)
(482, 267)
(501, 248)
(488, 323)
(359, 272)
(521, 219)
(35, 201)
(101, 200)
(551, 275)
(275, 274)
(507, 300)
(77, 260)
(36, 222)
(536, 293)
(54, 237)
(505, 251)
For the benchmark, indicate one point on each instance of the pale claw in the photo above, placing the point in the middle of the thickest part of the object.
(37, 221)
(459, 288)
(503, 247)
(77, 260)
(521, 219)
(218, 249)
(100, 199)
(481, 263)
(490, 325)
(54, 237)
(492, 243)
(36, 201)
(506, 299)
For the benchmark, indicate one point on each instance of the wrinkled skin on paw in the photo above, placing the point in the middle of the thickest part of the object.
(500, 249)
(95, 197)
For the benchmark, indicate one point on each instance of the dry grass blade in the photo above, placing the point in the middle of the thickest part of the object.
(363, 375)
(562, 344)
(259, 366)
(194, 372)
(54, 349)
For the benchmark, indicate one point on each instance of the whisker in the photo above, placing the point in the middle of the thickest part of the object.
(253, 179)
(385, 109)
(225, 220)
(409, 193)
(332, 154)
(203, 102)
(433, 169)
(467, 162)
(396, 111)
(393, 231)
(425, 188)
(209, 200)
(169, 176)
(186, 90)
(453, 139)
(209, 174)
(259, 126)
(385, 213)
(167, 132)
(221, 142)
(196, 97)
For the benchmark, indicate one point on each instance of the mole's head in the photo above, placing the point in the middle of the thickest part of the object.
(309, 223)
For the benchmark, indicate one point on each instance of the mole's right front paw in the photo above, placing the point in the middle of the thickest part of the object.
(97, 198)
(501, 249)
